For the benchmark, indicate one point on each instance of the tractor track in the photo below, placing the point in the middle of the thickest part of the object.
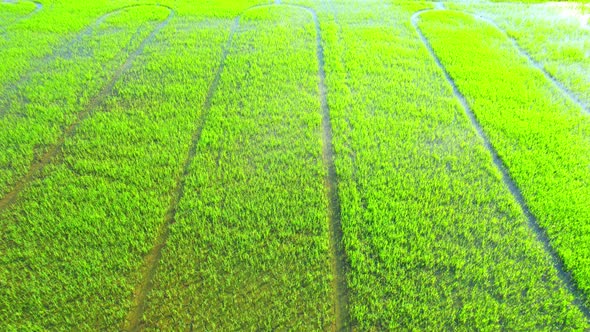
(338, 254)
(541, 234)
(66, 49)
(338, 246)
(38, 8)
(338, 260)
(63, 51)
(55, 148)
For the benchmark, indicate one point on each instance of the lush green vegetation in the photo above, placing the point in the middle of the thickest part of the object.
(433, 236)
(73, 244)
(540, 134)
(36, 109)
(249, 247)
(11, 13)
(166, 167)
(557, 35)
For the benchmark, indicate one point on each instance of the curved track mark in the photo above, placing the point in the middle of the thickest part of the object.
(566, 91)
(38, 7)
(90, 28)
(541, 234)
(46, 158)
(152, 259)
(65, 50)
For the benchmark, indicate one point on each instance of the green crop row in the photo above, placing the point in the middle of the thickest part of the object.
(73, 245)
(249, 248)
(542, 137)
(35, 112)
(11, 13)
(30, 41)
(557, 35)
(434, 238)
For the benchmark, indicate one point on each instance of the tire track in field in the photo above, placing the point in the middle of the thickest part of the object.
(565, 90)
(152, 259)
(38, 7)
(338, 245)
(46, 158)
(342, 320)
(64, 51)
(541, 234)
(338, 260)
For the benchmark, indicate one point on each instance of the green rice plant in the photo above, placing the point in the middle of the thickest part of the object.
(434, 239)
(192, 193)
(74, 242)
(249, 248)
(542, 137)
(35, 112)
(556, 35)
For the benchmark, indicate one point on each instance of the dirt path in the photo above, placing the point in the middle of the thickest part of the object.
(133, 320)
(566, 278)
(46, 158)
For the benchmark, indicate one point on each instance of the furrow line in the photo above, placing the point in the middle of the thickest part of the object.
(46, 158)
(339, 260)
(352, 91)
(38, 7)
(152, 259)
(541, 234)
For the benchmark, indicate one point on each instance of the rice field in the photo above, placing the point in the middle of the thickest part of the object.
(303, 165)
